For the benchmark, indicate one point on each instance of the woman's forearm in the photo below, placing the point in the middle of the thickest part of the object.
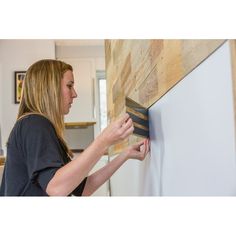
(98, 178)
(68, 177)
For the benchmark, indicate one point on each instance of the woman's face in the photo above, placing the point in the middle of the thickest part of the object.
(67, 91)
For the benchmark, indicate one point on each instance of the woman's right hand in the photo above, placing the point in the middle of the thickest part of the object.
(117, 130)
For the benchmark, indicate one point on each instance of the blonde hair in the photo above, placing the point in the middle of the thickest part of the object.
(42, 94)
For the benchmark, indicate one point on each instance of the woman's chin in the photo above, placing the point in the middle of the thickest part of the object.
(66, 112)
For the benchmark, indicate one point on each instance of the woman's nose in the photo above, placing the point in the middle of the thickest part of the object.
(74, 94)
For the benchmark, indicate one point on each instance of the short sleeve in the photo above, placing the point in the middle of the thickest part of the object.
(42, 149)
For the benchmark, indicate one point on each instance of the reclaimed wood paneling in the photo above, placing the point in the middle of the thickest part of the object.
(233, 60)
(144, 70)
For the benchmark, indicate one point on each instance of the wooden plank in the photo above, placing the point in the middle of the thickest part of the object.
(2, 160)
(233, 60)
(75, 125)
(149, 88)
(107, 52)
(126, 70)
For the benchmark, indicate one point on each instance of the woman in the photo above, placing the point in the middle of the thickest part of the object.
(38, 159)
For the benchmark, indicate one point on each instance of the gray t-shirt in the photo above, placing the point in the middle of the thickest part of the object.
(34, 154)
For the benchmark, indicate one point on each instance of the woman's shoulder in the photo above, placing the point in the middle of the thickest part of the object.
(29, 127)
(33, 121)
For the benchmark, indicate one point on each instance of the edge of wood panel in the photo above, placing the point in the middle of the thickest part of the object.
(233, 66)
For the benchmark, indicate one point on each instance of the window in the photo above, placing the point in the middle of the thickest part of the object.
(102, 98)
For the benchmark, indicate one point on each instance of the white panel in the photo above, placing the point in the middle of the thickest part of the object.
(192, 136)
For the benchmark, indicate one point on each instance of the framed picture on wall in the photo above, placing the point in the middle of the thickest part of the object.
(19, 78)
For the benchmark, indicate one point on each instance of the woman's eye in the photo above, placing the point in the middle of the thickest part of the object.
(69, 86)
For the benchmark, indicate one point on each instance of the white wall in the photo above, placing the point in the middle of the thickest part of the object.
(16, 55)
(192, 138)
(95, 51)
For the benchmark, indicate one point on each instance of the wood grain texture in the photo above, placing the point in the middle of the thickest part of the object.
(144, 70)
(2, 160)
(233, 60)
(75, 125)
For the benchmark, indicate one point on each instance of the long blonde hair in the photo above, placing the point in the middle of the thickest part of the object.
(42, 94)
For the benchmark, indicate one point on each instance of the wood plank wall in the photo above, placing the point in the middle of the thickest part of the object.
(144, 70)
(233, 61)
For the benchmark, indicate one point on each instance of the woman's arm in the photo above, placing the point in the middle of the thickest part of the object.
(94, 181)
(68, 177)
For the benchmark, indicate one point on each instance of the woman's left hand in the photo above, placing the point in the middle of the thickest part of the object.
(138, 151)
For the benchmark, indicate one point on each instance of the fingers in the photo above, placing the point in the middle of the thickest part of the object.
(139, 150)
(144, 149)
(127, 128)
(128, 132)
(147, 146)
(143, 146)
(127, 125)
(123, 119)
(140, 143)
